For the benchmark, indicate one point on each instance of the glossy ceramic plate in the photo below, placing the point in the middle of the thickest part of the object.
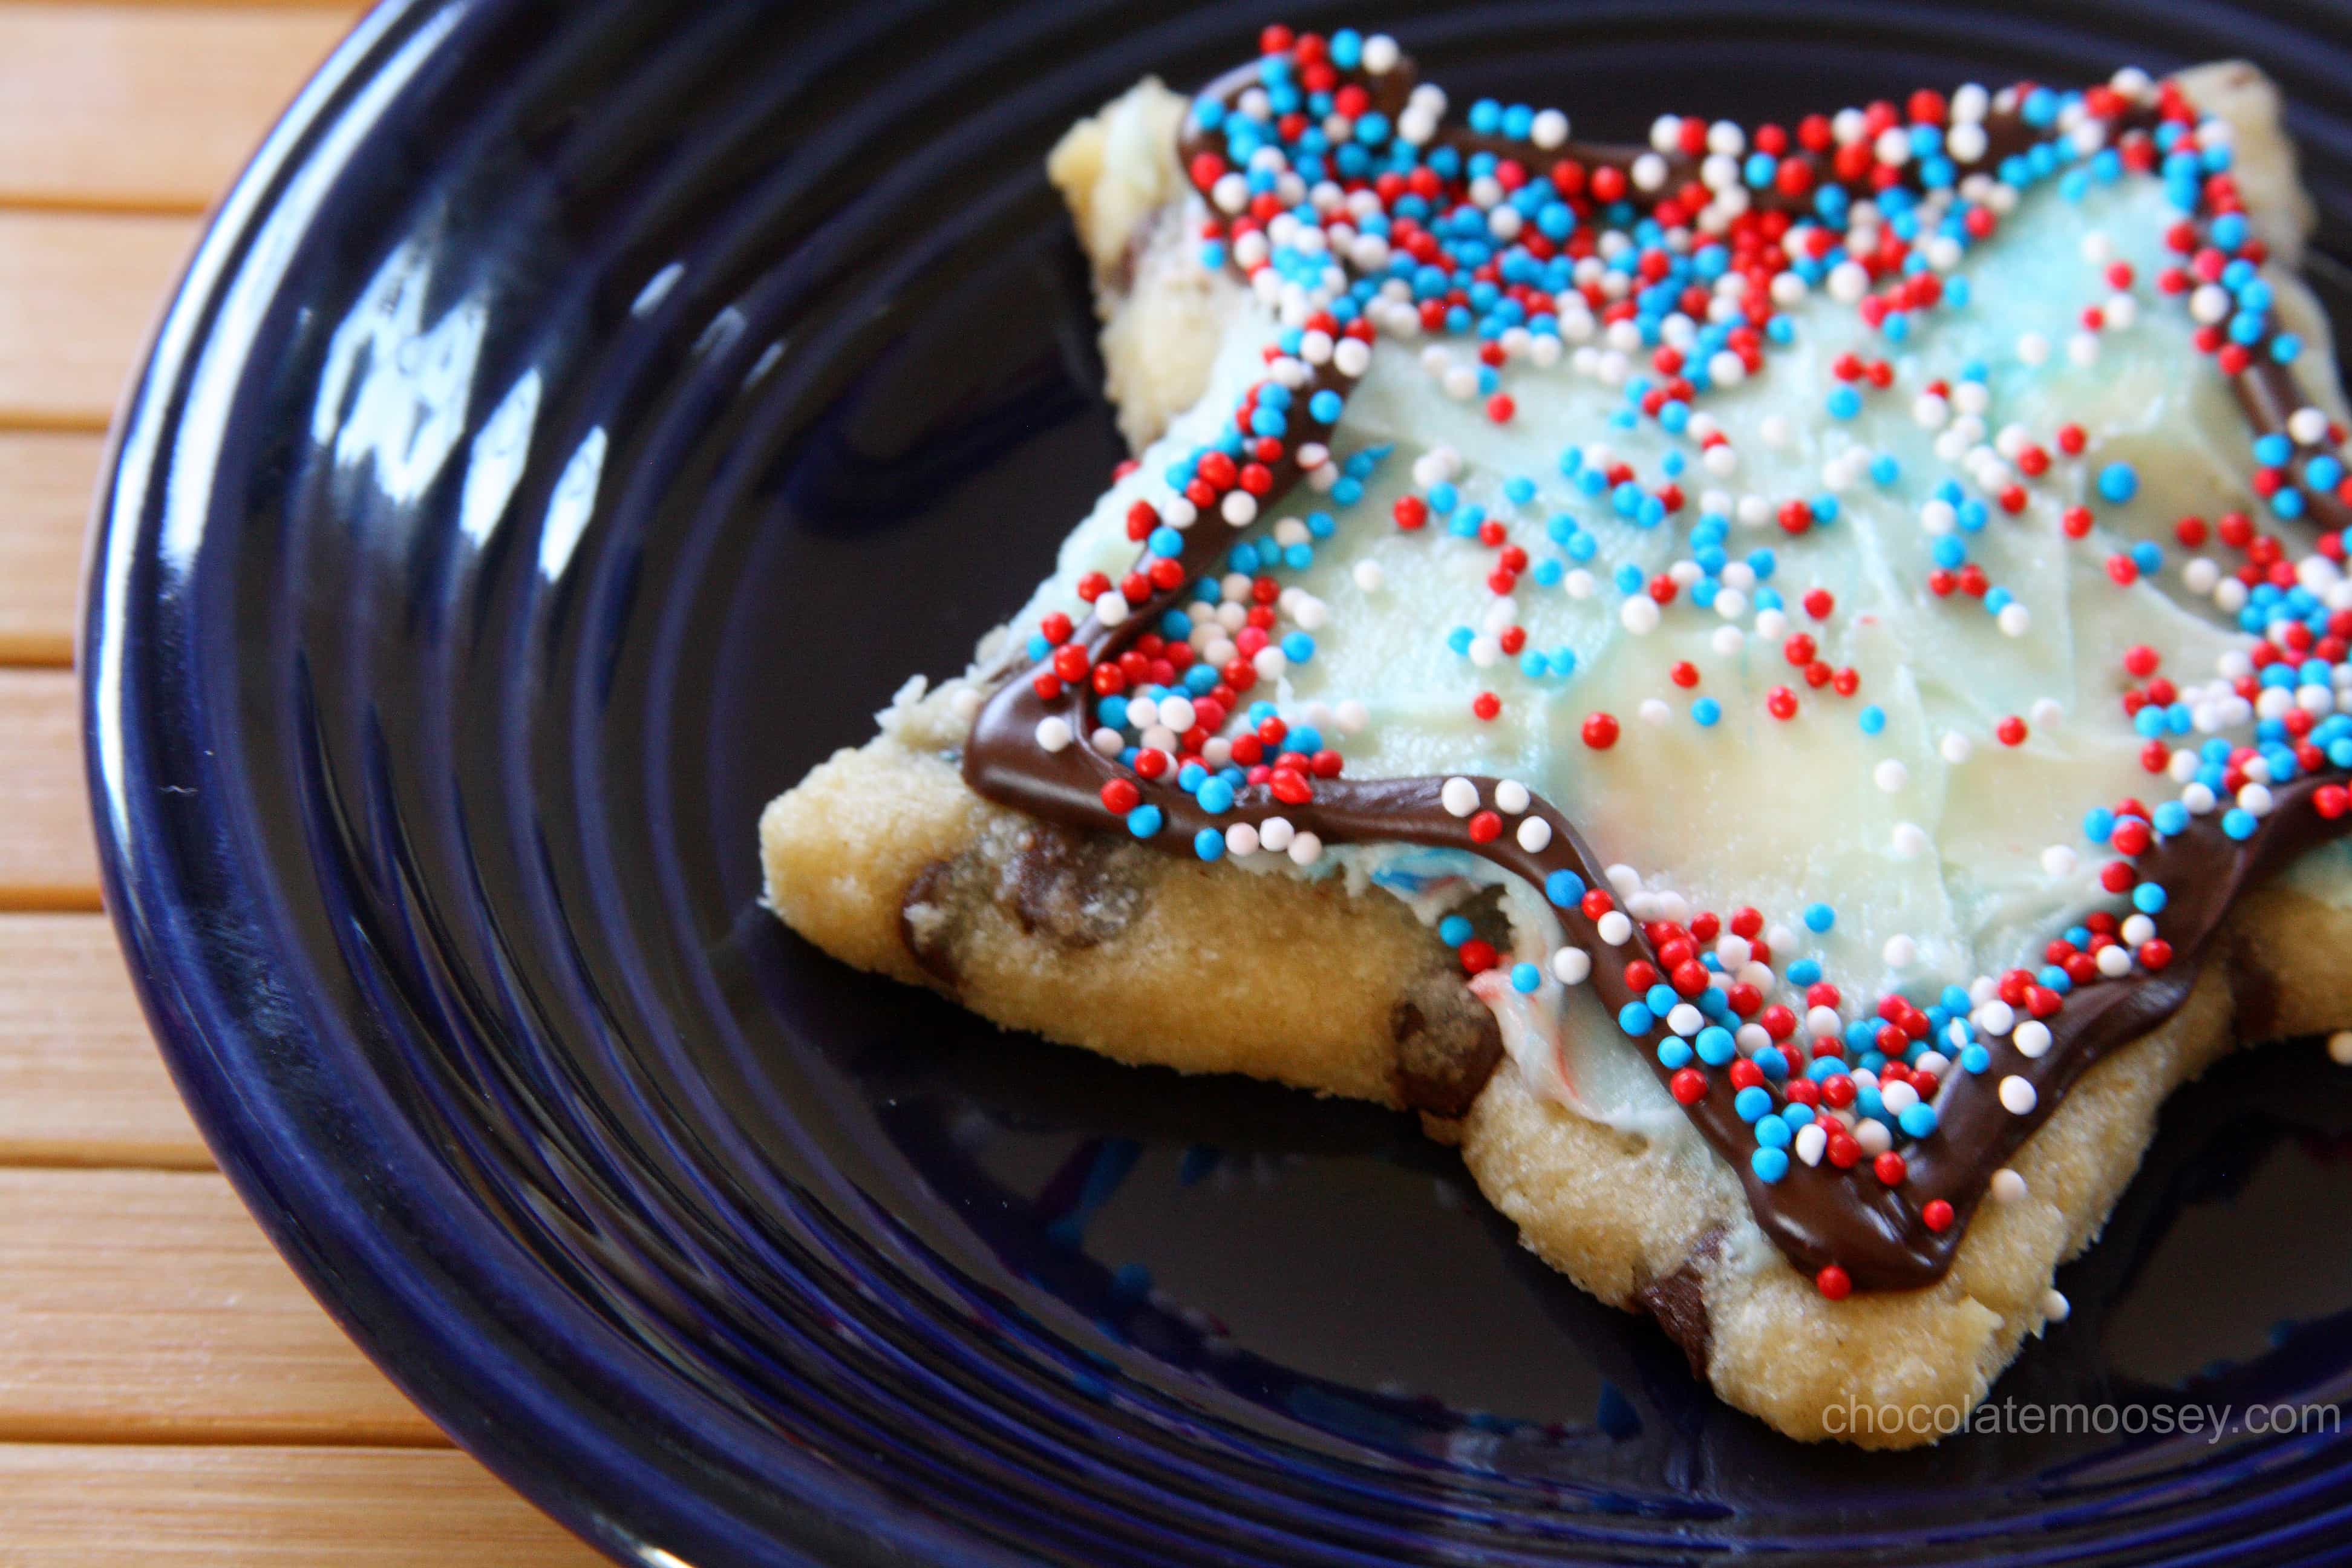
(576, 424)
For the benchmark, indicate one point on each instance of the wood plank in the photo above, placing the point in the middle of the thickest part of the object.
(47, 479)
(81, 1083)
(70, 1507)
(79, 292)
(128, 107)
(48, 859)
(145, 1306)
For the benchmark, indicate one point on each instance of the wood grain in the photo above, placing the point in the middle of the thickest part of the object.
(71, 1507)
(77, 294)
(48, 859)
(145, 1306)
(127, 107)
(80, 1081)
(46, 484)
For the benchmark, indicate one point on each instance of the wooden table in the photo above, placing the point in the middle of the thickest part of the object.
(169, 1393)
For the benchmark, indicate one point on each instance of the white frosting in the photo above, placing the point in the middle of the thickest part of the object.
(1933, 853)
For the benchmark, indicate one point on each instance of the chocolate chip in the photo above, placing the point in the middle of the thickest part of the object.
(1678, 1302)
(932, 915)
(1078, 890)
(1447, 1044)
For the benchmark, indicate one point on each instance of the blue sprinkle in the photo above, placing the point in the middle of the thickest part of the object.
(1707, 711)
(1873, 720)
(1674, 1052)
(1716, 1046)
(1564, 887)
(1820, 917)
(1635, 1019)
(2118, 482)
(1752, 1103)
(1454, 929)
(1525, 977)
(1209, 843)
(1772, 1133)
(2149, 898)
(1769, 1164)
(1144, 821)
(1919, 1120)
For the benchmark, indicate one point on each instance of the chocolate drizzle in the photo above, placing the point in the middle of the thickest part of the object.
(1818, 1214)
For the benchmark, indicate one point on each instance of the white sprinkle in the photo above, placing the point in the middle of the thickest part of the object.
(2114, 961)
(2014, 620)
(1351, 356)
(1054, 734)
(2339, 1048)
(1306, 848)
(1370, 577)
(1955, 747)
(1900, 952)
(1615, 928)
(1890, 775)
(1549, 129)
(1624, 878)
(1684, 1019)
(1653, 711)
(1458, 796)
(1352, 716)
(1898, 1098)
(1176, 713)
(1910, 840)
(2018, 1097)
(1109, 742)
(2032, 348)
(1996, 1017)
(1381, 54)
(2308, 426)
(2056, 1307)
(1239, 507)
(1241, 839)
(2007, 1187)
(2032, 1039)
(1572, 965)
(2137, 928)
(1276, 833)
(1511, 797)
(1824, 1021)
(2060, 860)
(1640, 615)
(1874, 1136)
(1534, 835)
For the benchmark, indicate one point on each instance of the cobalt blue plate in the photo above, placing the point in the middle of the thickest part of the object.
(576, 422)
